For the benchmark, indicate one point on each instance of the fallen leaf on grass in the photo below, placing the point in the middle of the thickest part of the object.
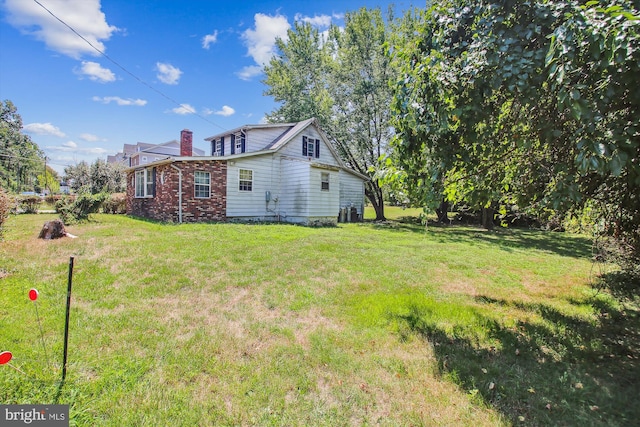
(594, 407)
(492, 386)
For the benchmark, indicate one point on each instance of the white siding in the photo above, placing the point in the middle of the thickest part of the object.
(293, 199)
(251, 203)
(351, 191)
(323, 203)
(258, 139)
(294, 147)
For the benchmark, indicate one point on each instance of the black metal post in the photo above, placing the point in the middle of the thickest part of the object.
(66, 322)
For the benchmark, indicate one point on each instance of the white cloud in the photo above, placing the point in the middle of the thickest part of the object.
(84, 16)
(96, 72)
(120, 101)
(249, 72)
(167, 73)
(261, 40)
(44, 129)
(90, 137)
(72, 147)
(226, 111)
(320, 21)
(209, 39)
(184, 109)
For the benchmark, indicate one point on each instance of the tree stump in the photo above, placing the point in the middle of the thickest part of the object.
(52, 230)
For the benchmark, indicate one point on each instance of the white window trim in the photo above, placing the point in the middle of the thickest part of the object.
(145, 183)
(240, 180)
(218, 148)
(195, 185)
(322, 181)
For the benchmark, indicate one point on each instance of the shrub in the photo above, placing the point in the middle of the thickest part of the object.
(116, 203)
(5, 208)
(52, 199)
(30, 204)
(79, 209)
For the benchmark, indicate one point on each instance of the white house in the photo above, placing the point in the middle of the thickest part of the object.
(270, 172)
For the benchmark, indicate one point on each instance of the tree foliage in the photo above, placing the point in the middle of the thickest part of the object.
(99, 177)
(526, 103)
(21, 160)
(342, 80)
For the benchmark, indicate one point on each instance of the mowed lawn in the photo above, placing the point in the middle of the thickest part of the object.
(360, 324)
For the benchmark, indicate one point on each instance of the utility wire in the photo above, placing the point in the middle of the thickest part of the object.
(12, 156)
(167, 97)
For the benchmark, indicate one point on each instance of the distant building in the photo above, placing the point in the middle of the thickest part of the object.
(143, 153)
(65, 188)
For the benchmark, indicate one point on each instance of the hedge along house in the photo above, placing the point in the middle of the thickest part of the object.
(269, 172)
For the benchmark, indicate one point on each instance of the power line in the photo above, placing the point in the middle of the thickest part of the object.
(46, 159)
(167, 97)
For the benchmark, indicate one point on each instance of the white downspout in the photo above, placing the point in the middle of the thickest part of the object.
(179, 192)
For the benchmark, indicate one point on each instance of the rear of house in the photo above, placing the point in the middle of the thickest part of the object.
(274, 172)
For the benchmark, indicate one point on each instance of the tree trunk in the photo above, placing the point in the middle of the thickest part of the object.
(487, 217)
(374, 193)
(442, 212)
(52, 230)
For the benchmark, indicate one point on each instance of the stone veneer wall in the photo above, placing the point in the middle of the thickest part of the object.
(164, 206)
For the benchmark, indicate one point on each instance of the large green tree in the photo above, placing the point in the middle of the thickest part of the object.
(342, 79)
(21, 160)
(98, 177)
(527, 103)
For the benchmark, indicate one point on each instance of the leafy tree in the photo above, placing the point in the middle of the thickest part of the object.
(343, 81)
(99, 177)
(49, 180)
(527, 103)
(79, 177)
(20, 158)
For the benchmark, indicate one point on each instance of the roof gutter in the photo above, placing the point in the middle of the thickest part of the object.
(179, 192)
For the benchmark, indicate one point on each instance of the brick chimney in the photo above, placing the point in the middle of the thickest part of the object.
(186, 143)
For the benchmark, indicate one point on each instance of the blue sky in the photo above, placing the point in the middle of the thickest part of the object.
(191, 64)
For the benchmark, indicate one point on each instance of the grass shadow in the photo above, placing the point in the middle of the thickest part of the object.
(556, 370)
(519, 239)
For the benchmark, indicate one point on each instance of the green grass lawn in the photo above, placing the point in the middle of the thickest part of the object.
(360, 324)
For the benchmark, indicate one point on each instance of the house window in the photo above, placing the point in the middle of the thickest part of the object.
(145, 182)
(218, 147)
(150, 181)
(324, 181)
(238, 143)
(202, 181)
(245, 180)
(310, 147)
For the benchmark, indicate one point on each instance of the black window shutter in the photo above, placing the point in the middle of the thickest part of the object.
(233, 144)
(213, 147)
(304, 145)
(153, 174)
(242, 141)
(222, 144)
(317, 148)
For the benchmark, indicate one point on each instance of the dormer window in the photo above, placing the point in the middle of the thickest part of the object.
(310, 147)
(238, 145)
(217, 147)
